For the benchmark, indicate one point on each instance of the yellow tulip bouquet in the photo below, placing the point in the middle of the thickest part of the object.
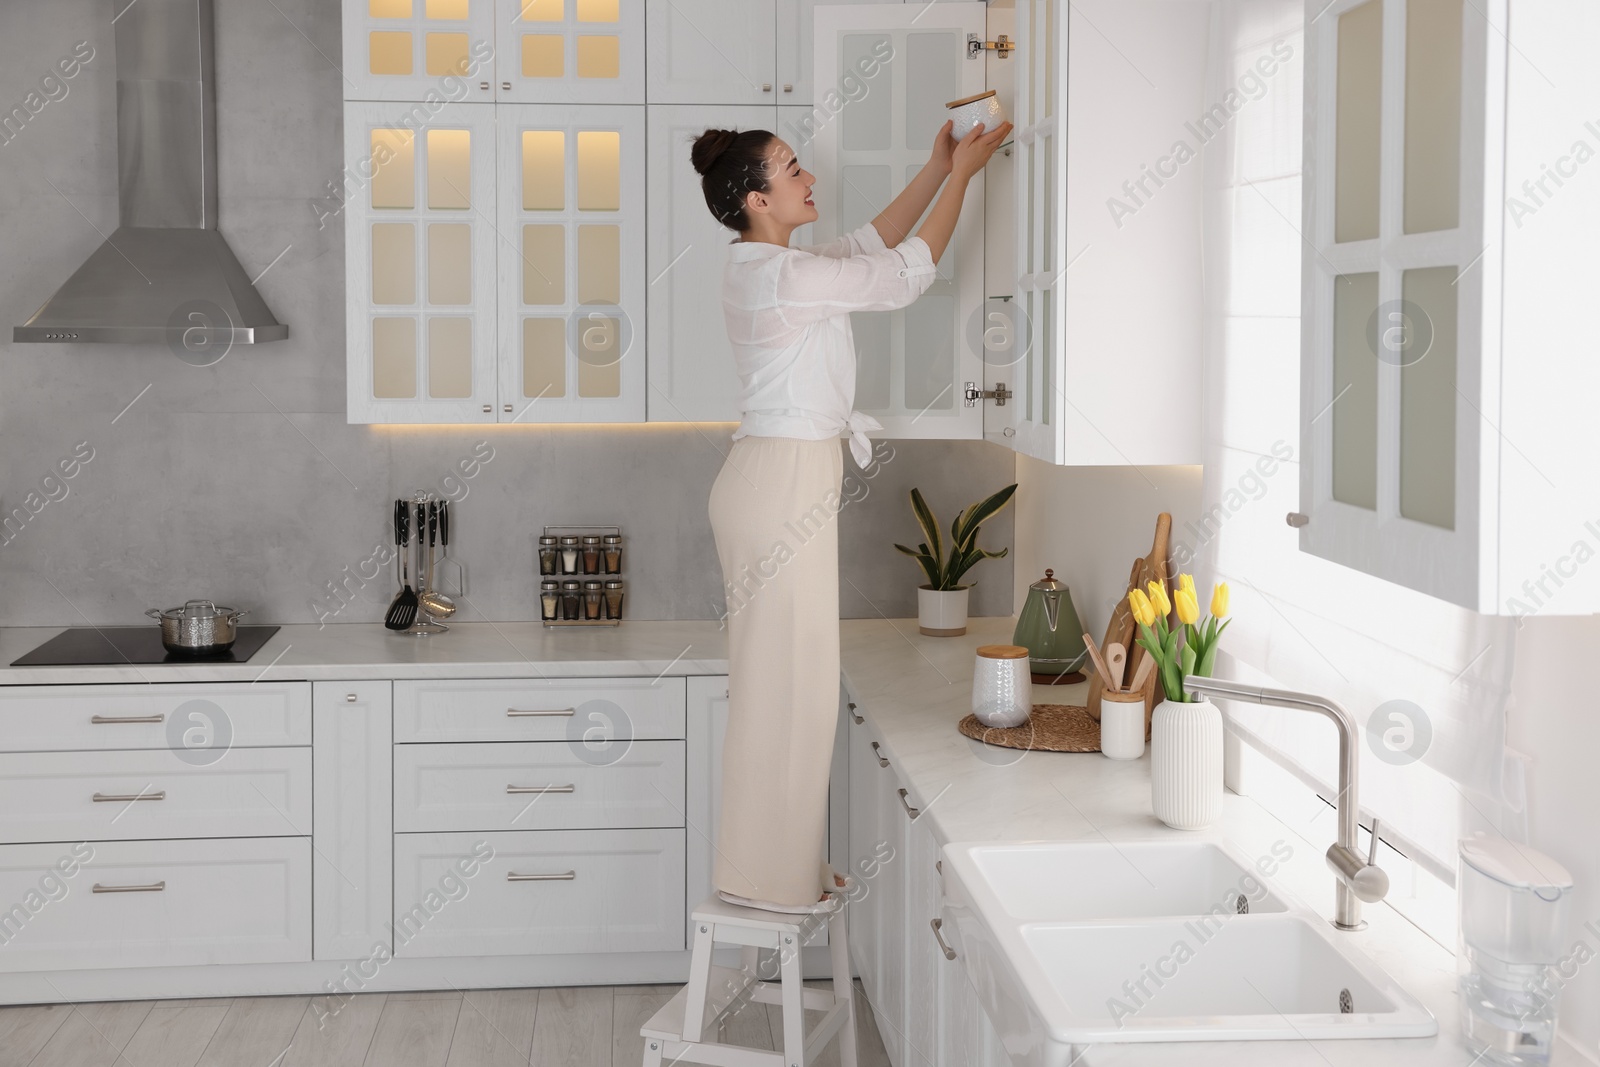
(1198, 653)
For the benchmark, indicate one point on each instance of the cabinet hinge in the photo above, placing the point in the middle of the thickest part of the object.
(999, 394)
(1001, 47)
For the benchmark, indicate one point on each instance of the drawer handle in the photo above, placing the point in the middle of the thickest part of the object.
(852, 706)
(513, 876)
(881, 761)
(127, 718)
(517, 713)
(154, 887)
(913, 812)
(568, 788)
(949, 953)
(122, 798)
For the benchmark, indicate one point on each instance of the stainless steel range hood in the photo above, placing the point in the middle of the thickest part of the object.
(165, 274)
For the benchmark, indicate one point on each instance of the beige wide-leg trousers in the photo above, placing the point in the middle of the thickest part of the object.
(774, 514)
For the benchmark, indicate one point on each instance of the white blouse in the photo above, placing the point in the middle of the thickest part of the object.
(788, 315)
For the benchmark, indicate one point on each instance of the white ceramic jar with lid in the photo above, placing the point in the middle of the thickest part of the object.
(1002, 686)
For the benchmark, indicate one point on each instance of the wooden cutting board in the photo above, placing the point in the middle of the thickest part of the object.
(1151, 568)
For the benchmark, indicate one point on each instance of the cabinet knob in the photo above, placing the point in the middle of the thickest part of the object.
(349, 698)
(766, 87)
(505, 85)
(508, 409)
(1297, 519)
(488, 409)
(484, 86)
(788, 87)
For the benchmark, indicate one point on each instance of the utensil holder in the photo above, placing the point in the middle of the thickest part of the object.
(1123, 717)
(424, 625)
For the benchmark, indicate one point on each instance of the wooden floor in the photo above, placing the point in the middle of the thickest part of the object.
(584, 1026)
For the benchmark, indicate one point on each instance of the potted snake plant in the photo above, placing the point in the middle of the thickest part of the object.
(942, 600)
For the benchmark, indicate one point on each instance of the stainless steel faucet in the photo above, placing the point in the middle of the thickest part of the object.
(1359, 880)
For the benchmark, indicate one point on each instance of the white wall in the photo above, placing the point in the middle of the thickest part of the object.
(1090, 523)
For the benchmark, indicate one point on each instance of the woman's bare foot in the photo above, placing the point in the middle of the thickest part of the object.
(838, 880)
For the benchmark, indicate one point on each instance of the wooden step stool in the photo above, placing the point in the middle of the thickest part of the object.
(676, 1032)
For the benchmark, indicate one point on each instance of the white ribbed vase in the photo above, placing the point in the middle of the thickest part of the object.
(1186, 763)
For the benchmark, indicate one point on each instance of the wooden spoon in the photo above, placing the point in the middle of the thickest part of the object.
(1116, 659)
(1099, 661)
(1142, 675)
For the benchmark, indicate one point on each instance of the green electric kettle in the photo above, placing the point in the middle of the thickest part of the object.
(1049, 629)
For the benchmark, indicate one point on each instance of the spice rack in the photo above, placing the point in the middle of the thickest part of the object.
(585, 563)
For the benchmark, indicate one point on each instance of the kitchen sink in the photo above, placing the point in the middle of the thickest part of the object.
(1101, 880)
(1072, 944)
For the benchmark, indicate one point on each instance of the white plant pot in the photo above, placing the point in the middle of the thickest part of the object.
(1186, 764)
(942, 612)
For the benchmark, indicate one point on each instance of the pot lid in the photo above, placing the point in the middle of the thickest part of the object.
(1048, 582)
(1518, 866)
(197, 609)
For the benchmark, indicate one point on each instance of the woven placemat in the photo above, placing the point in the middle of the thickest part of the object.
(1051, 728)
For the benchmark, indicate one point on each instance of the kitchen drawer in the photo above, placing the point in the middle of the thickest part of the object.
(538, 709)
(606, 891)
(229, 900)
(490, 786)
(250, 792)
(41, 718)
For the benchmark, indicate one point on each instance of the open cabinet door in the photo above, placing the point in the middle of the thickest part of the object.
(884, 74)
(1031, 336)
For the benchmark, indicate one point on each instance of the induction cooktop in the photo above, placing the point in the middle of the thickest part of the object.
(88, 646)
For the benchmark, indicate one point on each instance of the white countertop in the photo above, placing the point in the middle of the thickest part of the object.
(357, 651)
(913, 690)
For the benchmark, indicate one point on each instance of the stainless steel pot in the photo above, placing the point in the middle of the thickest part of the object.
(197, 628)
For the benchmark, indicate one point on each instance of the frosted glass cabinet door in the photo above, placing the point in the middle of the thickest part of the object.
(1400, 279)
(570, 51)
(692, 377)
(419, 264)
(571, 255)
(912, 365)
(421, 50)
(710, 51)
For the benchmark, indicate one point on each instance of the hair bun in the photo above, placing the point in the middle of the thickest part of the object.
(708, 148)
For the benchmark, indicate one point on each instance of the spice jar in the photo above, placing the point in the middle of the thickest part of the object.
(549, 600)
(611, 554)
(591, 553)
(569, 554)
(572, 599)
(593, 599)
(549, 555)
(614, 598)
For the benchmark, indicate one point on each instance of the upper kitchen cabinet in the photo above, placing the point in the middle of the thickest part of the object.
(571, 252)
(1446, 284)
(420, 265)
(419, 50)
(1101, 339)
(692, 377)
(731, 51)
(570, 51)
(710, 51)
(908, 62)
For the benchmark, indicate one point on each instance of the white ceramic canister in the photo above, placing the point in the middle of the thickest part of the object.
(1185, 763)
(971, 110)
(1002, 686)
(1122, 720)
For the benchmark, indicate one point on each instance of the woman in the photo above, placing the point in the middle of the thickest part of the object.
(773, 504)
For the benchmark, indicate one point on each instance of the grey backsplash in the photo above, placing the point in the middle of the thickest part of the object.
(241, 481)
